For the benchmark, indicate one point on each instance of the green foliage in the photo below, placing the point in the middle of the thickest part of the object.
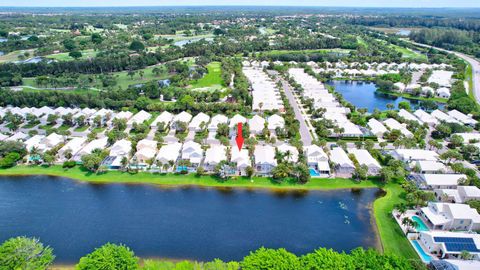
(137, 46)
(270, 259)
(109, 257)
(25, 253)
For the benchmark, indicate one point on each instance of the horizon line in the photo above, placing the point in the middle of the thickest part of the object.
(240, 5)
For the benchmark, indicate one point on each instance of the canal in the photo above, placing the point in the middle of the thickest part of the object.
(182, 222)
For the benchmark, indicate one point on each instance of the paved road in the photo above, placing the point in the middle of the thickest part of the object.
(304, 130)
(475, 67)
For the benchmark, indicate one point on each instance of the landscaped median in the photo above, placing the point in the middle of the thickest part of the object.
(392, 238)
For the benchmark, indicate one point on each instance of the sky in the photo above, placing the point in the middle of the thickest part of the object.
(336, 3)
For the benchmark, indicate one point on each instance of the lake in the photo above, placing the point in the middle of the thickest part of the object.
(183, 222)
(183, 42)
(363, 95)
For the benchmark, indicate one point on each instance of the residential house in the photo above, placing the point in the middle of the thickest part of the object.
(213, 156)
(451, 216)
(264, 159)
(365, 158)
(341, 162)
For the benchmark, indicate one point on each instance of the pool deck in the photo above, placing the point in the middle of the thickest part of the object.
(424, 256)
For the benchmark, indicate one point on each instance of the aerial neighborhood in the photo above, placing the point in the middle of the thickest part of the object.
(361, 125)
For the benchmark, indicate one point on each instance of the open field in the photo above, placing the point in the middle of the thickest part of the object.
(13, 56)
(211, 80)
(65, 57)
(408, 53)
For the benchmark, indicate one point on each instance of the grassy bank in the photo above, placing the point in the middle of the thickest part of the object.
(408, 96)
(189, 179)
(392, 238)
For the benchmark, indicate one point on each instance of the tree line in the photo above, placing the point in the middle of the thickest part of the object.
(30, 253)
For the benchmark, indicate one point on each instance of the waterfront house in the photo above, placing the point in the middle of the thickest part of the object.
(88, 149)
(365, 158)
(213, 156)
(264, 159)
(168, 156)
(461, 194)
(290, 152)
(146, 151)
(317, 159)
(341, 162)
(72, 147)
(451, 216)
(450, 245)
(192, 152)
(241, 160)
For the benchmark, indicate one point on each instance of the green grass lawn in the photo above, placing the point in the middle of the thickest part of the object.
(392, 238)
(189, 179)
(65, 57)
(81, 129)
(361, 41)
(123, 80)
(409, 96)
(213, 78)
(408, 53)
(13, 56)
(469, 78)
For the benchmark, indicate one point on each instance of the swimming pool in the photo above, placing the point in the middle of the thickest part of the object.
(423, 255)
(313, 172)
(420, 225)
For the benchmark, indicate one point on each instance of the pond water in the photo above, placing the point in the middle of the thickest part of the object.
(404, 32)
(364, 95)
(184, 222)
(182, 43)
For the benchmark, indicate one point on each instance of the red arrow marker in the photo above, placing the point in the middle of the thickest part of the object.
(239, 138)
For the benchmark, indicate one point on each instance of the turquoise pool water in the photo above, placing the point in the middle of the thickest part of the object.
(313, 172)
(420, 226)
(424, 256)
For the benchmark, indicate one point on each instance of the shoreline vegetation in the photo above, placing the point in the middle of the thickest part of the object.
(390, 236)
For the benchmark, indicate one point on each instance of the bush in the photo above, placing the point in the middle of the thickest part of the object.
(68, 164)
(109, 256)
(25, 253)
